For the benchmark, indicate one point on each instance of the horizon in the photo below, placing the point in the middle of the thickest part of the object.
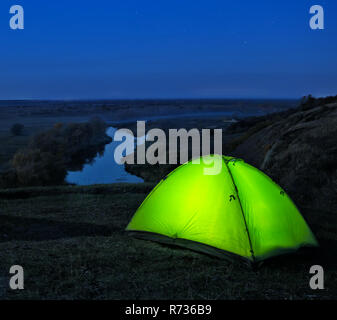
(170, 101)
(153, 99)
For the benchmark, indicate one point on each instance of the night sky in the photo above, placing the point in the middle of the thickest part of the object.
(108, 49)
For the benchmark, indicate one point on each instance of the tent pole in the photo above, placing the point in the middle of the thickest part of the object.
(243, 214)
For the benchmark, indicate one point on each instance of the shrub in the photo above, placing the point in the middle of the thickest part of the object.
(58, 125)
(98, 126)
(49, 153)
(309, 101)
(8, 179)
(36, 168)
(17, 129)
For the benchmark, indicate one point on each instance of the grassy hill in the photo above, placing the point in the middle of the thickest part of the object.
(72, 245)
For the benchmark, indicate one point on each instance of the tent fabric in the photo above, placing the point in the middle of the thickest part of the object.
(239, 210)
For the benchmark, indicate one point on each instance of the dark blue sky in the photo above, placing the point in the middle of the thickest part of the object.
(167, 49)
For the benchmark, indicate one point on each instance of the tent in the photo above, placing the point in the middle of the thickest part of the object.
(238, 212)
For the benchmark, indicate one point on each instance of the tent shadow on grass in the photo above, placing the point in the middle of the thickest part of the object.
(325, 255)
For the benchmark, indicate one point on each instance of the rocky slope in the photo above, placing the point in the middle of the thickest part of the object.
(298, 150)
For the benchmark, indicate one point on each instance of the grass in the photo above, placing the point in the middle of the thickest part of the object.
(72, 245)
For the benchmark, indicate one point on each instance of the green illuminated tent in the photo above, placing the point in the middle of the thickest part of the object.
(222, 205)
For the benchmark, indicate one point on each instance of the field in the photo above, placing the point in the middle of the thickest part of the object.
(72, 245)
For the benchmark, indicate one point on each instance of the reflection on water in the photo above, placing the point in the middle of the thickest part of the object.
(103, 169)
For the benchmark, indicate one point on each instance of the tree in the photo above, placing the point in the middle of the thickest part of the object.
(36, 168)
(17, 129)
(98, 126)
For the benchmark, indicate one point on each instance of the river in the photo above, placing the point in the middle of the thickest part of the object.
(103, 169)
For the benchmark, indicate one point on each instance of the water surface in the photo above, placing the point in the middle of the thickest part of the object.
(103, 169)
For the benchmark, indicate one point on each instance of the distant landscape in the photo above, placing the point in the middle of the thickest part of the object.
(63, 124)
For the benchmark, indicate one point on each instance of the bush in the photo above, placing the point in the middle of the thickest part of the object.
(17, 129)
(8, 179)
(36, 168)
(50, 153)
(98, 126)
(58, 125)
(309, 101)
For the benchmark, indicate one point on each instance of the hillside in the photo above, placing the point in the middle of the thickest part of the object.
(299, 151)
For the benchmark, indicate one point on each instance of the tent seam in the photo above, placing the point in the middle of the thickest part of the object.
(243, 214)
